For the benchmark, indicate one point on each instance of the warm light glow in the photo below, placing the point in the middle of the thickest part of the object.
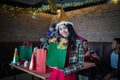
(115, 1)
(58, 11)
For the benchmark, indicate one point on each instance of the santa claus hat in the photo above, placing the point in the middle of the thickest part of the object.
(63, 23)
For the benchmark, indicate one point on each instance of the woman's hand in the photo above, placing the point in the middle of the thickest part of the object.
(52, 40)
(87, 53)
(56, 68)
(95, 55)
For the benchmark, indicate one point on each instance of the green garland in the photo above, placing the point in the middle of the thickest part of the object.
(44, 8)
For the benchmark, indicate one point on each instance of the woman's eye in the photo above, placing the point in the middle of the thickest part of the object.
(60, 29)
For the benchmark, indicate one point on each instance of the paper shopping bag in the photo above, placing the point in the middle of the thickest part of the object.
(32, 65)
(25, 52)
(55, 56)
(40, 61)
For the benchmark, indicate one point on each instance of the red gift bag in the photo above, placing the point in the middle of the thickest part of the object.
(40, 61)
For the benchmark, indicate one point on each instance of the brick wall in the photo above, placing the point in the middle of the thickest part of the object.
(97, 24)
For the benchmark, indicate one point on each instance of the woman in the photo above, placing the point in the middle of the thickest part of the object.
(75, 53)
(88, 54)
(86, 49)
(90, 72)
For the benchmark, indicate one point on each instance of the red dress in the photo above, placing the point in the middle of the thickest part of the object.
(59, 75)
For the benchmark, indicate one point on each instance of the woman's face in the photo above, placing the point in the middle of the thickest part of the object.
(63, 30)
(85, 45)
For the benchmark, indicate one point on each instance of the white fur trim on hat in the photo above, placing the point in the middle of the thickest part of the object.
(62, 23)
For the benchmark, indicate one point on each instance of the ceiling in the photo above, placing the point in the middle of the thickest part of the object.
(25, 3)
(38, 3)
(30, 2)
(33, 2)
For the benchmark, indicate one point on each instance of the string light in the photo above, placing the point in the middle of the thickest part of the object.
(44, 8)
(113, 1)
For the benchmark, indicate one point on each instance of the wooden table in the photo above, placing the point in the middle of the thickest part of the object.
(44, 76)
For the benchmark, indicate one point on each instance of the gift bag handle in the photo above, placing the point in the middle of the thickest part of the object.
(42, 46)
(27, 43)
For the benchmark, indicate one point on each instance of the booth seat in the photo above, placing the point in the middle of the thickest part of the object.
(7, 51)
(100, 47)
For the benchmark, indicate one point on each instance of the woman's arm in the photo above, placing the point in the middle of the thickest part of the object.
(80, 60)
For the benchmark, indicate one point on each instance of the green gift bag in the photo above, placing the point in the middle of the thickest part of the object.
(55, 56)
(25, 52)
